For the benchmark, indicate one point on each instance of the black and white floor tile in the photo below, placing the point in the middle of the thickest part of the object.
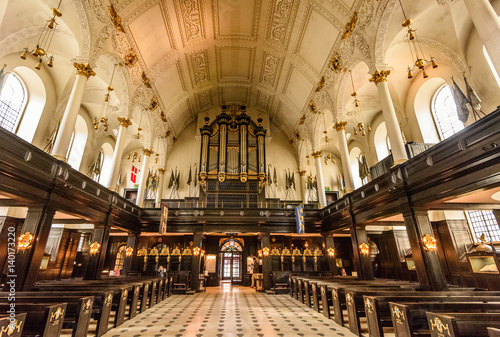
(229, 312)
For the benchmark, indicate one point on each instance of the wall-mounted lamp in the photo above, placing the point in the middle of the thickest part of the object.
(364, 248)
(25, 241)
(265, 251)
(202, 252)
(260, 253)
(196, 251)
(331, 252)
(95, 247)
(129, 251)
(429, 242)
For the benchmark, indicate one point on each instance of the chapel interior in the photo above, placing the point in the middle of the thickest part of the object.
(191, 148)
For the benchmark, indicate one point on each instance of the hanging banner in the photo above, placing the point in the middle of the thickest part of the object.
(299, 218)
(163, 219)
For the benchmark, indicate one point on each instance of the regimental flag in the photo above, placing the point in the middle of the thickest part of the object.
(269, 178)
(133, 175)
(461, 102)
(292, 180)
(195, 176)
(473, 98)
(177, 180)
(299, 218)
(163, 219)
(171, 181)
(189, 177)
(275, 177)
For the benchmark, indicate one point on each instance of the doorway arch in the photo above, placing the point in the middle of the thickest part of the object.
(231, 257)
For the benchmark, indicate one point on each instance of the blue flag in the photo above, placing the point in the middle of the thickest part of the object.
(299, 217)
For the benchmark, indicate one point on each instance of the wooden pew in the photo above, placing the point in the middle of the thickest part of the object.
(355, 302)
(409, 319)
(492, 332)
(78, 309)
(14, 327)
(103, 301)
(43, 320)
(462, 325)
(378, 311)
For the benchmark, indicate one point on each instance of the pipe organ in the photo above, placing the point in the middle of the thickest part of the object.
(232, 159)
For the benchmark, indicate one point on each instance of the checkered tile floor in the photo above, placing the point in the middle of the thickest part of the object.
(226, 312)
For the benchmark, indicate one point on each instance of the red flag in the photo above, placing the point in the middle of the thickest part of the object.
(133, 175)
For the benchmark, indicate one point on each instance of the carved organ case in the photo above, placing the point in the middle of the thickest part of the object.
(232, 161)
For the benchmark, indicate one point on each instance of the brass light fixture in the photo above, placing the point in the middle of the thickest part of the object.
(415, 48)
(364, 248)
(44, 40)
(103, 120)
(328, 158)
(265, 251)
(25, 241)
(331, 252)
(357, 112)
(95, 247)
(429, 243)
(129, 251)
(196, 251)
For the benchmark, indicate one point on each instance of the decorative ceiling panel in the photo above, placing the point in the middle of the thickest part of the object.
(297, 88)
(313, 44)
(235, 63)
(271, 69)
(151, 36)
(236, 19)
(169, 84)
(280, 19)
(229, 94)
(263, 101)
(205, 100)
(285, 115)
(182, 116)
(191, 18)
(199, 67)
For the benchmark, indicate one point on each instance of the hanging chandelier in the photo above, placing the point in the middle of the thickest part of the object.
(416, 51)
(43, 43)
(103, 120)
(361, 127)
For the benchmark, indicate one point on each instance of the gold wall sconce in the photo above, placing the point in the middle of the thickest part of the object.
(429, 243)
(196, 251)
(25, 241)
(129, 251)
(364, 248)
(331, 252)
(95, 247)
(265, 251)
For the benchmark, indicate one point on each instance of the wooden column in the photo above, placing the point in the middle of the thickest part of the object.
(266, 261)
(131, 243)
(429, 270)
(328, 243)
(362, 262)
(96, 261)
(27, 263)
(195, 262)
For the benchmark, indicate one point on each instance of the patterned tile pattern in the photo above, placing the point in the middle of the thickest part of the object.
(229, 312)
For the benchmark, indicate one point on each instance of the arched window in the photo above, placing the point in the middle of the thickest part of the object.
(381, 142)
(353, 156)
(445, 114)
(107, 158)
(490, 64)
(120, 257)
(13, 98)
(78, 142)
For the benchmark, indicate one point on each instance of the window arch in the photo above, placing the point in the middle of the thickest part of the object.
(381, 141)
(353, 157)
(78, 142)
(492, 67)
(445, 114)
(231, 245)
(107, 158)
(13, 97)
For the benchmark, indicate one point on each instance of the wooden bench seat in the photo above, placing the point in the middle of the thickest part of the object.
(462, 324)
(78, 309)
(42, 319)
(409, 319)
(378, 311)
(12, 328)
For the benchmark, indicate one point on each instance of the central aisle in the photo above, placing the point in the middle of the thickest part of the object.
(229, 311)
